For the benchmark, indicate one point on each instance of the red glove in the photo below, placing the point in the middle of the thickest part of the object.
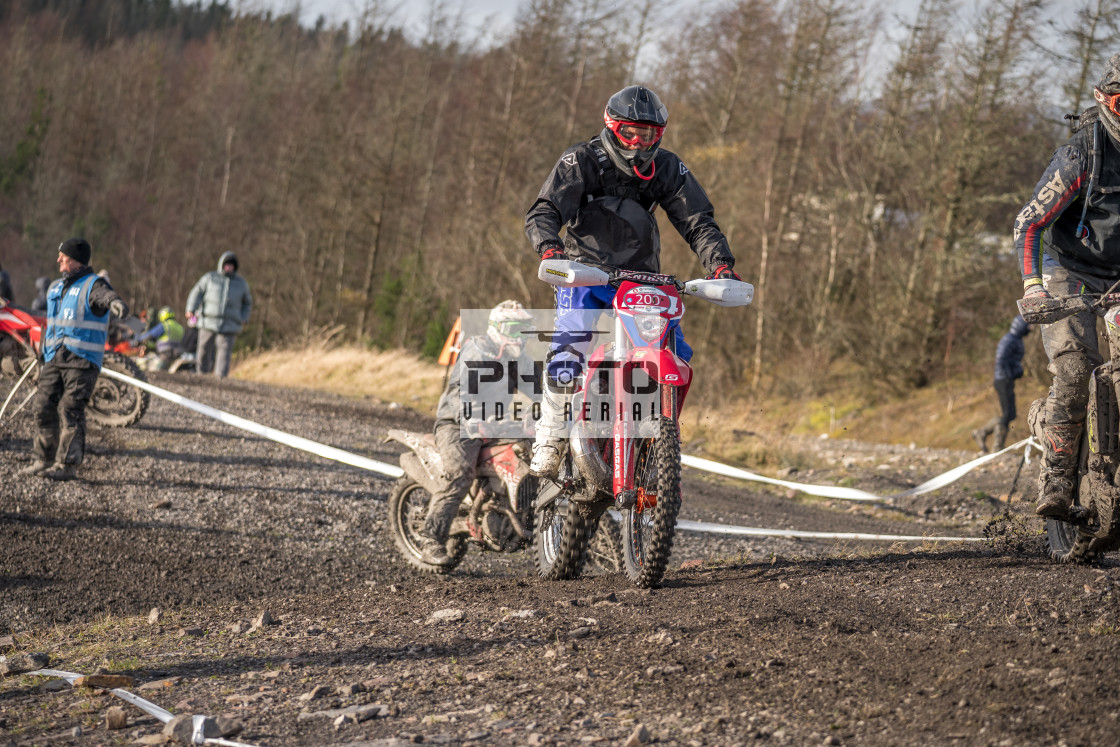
(723, 272)
(554, 252)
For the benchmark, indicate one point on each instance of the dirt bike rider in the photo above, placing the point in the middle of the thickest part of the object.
(168, 335)
(1068, 241)
(502, 341)
(605, 191)
(78, 308)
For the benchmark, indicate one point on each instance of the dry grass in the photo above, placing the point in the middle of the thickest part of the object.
(389, 375)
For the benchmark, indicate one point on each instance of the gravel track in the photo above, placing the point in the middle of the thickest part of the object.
(793, 642)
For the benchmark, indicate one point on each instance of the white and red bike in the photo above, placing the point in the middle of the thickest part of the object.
(634, 463)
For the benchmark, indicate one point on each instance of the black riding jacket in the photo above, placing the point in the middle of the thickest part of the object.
(1049, 222)
(609, 215)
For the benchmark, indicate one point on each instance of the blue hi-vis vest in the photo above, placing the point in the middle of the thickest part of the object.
(71, 322)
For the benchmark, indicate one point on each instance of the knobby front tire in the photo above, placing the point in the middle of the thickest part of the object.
(647, 533)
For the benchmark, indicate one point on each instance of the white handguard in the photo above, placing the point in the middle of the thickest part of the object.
(725, 292)
(568, 274)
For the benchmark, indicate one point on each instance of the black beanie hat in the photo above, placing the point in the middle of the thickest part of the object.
(77, 249)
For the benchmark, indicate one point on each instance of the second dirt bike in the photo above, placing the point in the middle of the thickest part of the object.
(619, 466)
(1093, 524)
(113, 404)
(496, 515)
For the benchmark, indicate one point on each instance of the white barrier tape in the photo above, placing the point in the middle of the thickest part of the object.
(847, 494)
(700, 526)
(147, 706)
(15, 389)
(296, 442)
(346, 457)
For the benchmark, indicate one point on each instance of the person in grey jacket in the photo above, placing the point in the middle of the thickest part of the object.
(222, 301)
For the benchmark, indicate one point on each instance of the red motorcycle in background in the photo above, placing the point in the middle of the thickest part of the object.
(625, 463)
(113, 404)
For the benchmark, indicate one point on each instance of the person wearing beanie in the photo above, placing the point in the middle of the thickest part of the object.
(222, 301)
(1068, 242)
(78, 308)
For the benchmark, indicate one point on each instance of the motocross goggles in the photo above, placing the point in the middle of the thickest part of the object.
(1111, 100)
(513, 329)
(634, 135)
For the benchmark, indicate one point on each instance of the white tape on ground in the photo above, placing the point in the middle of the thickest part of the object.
(700, 526)
(296, 442)
(826, 491)
(848, 494)
(147, 706)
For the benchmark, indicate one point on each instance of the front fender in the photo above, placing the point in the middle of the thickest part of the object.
(663, 365)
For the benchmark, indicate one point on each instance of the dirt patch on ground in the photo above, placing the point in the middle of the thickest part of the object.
(795, 642)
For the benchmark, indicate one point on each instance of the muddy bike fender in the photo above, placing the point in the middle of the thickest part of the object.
(1049, 310)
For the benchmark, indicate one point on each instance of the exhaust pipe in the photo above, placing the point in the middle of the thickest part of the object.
(588, 460)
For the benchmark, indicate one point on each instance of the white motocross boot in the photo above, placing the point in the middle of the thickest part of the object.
(551, 432)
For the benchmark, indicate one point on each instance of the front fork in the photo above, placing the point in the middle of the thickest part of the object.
(625, 445)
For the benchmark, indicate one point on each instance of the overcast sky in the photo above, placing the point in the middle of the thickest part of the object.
(486, 15)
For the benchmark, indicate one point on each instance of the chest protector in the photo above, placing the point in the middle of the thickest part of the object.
(72, 323)
(1087, 235)
(172, 332)
(616, 226)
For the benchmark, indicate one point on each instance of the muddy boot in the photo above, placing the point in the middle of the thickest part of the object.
(1059, 467)
(552, 429)
(1000, 437)
(546, 458)
(37, 467)
(62, 472)
(434, 552)
(981, 434)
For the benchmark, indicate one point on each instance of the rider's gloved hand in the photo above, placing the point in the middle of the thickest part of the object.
(723, 272)
(1035, 289)
(553, 252)
(119, 309)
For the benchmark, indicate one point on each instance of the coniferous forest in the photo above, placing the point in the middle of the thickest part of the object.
(866, 168)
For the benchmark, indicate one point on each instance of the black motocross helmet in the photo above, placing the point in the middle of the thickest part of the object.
(635, 121)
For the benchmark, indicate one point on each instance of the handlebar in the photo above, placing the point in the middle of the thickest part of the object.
(1049, 310)
(569, 274)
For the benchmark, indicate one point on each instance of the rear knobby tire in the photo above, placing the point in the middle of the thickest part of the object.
(604, 549)
(408, 509)
(113, 403)
(559, 541)
(647, 535)
(1066, 544)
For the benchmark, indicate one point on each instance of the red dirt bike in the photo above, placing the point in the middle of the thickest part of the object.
(619, 466)
(1093, 524)
(113, 404)
(495, 516)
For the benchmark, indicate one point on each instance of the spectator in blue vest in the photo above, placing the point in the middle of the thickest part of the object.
(78, 308)
(1009, 366)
